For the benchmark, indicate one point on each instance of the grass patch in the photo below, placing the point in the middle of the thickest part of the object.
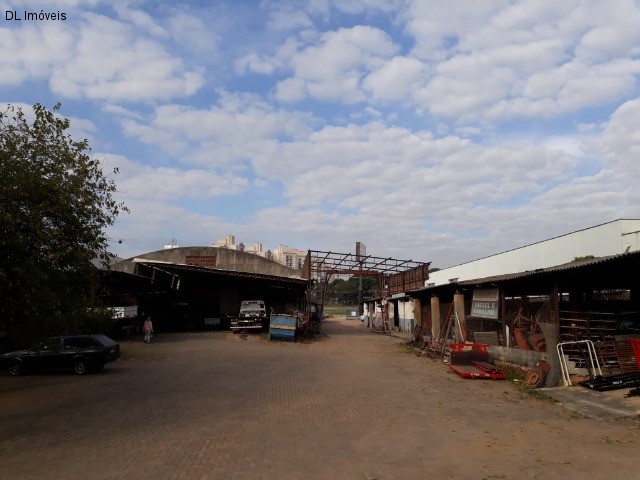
(576, 416)
(534, 393)
(408, 348)
(338, 310)
(515, 375)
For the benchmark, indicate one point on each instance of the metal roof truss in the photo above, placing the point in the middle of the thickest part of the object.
(351, 264)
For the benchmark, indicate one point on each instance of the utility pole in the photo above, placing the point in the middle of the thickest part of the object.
(361, 251)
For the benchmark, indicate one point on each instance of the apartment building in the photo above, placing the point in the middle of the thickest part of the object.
(287, 256)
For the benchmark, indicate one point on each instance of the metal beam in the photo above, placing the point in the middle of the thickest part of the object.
(350, 264)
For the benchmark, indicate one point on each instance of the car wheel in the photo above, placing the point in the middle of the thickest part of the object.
(15, 368)
(80, 366)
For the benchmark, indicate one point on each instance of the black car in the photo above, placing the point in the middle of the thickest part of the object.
(81, 353)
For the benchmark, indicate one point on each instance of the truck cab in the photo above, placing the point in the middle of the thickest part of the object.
(253, 316)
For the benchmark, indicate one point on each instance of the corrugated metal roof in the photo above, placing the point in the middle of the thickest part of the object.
(544, 241)
(556, 268)
(581, 264)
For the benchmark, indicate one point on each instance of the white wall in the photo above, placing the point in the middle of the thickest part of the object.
(611, 238)
(405, 314)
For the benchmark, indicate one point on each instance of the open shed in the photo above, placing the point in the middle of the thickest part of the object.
(528, 313)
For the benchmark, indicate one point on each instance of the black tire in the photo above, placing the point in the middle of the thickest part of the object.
(15, 368)
(80, 366)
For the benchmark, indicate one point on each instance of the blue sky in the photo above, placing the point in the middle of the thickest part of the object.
(436, 131)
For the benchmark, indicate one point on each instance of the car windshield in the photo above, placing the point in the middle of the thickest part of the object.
(104, 340)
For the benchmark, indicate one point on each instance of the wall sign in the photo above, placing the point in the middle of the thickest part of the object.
(485, 303)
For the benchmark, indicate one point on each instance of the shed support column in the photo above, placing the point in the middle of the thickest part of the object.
(555, 307)
(417, 312)
(502, 316)
(458, 306)
(435, 317)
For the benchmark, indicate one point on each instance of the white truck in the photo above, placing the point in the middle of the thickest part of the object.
(253, 317)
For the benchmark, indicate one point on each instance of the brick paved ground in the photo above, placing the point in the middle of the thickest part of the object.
(353, 405)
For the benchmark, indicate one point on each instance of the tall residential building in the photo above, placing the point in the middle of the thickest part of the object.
(228, 242)
(290, 257)
(287, 256)
(257, 249)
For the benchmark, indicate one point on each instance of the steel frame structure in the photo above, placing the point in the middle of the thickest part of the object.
(352, 264)
(326, 263)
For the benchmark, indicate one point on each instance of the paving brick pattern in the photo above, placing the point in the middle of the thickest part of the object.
(352, 404)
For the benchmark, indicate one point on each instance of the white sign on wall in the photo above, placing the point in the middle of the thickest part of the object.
(485, 303)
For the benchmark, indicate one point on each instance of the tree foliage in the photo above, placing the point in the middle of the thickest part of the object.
(581, 259)
(55, 206)
(345, 292)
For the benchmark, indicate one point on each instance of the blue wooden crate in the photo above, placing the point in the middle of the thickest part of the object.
(283, 327)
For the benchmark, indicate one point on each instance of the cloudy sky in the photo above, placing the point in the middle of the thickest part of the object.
(429, 130)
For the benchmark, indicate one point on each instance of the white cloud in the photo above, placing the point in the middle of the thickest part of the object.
(334, 68)
(338, 180)
(142, 21)
(364, 164)
(289, 20)
(492, 61)
(254, 63)
(499, 60)
(25, 107)
(367, 6)
(112, 63)
(263, 64)
(614, 34)
(139, 182)
(226, 135)
(155, 224)
(79, 128)
(82, 128)
(395, 79)
(93, 56)
(31, 51)
(421, 128)
(291, 90)
(619, 145)
(193, 33)
(437, 31)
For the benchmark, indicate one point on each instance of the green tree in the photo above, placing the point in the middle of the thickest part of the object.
(55, 204)
(345, 292)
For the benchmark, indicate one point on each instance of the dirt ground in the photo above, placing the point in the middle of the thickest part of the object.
(350, 405)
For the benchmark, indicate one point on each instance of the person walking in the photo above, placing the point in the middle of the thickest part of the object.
(148, 330)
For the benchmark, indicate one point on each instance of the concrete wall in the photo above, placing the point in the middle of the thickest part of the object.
(613, 238)
(405, 314)
(526, 358)
(226, 259)
(436, 316)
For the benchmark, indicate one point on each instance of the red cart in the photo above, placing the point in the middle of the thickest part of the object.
(471, 360)
(635, 346)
